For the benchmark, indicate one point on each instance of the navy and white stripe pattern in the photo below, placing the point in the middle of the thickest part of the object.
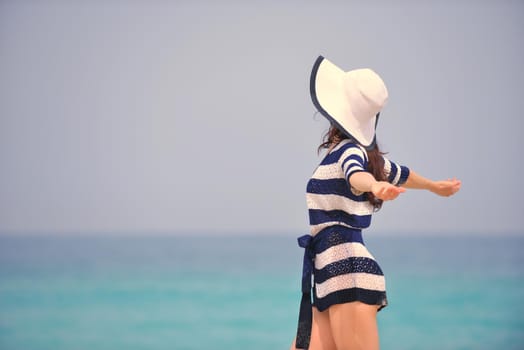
(330, 198)
(343, 269)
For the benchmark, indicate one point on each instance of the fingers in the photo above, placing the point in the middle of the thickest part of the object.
(394, 192)
(449, 187)
(454, 186)
(389, 192)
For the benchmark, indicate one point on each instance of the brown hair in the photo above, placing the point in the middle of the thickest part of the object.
(375, 160)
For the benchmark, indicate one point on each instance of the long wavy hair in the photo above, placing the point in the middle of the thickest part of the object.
(375, 160)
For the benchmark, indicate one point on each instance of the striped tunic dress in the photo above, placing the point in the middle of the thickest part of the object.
(344, 270)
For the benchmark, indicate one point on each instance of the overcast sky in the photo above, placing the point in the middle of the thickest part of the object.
(185, 116)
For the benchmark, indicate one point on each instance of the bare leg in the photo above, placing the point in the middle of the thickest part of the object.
(321, 338)
(321, 335)
(354, 326)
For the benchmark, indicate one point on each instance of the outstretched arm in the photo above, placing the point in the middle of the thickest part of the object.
(365, 182)
(443, 188)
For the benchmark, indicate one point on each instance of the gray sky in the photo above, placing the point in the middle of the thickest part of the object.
(181, 116)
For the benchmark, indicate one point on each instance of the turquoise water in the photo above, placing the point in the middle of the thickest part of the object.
(230, 292)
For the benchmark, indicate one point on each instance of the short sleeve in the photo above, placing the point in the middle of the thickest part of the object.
(396, 174)
(352, 161)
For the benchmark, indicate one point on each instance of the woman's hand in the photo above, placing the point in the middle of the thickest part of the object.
(446, 188)
(386, 191)
(365, 182)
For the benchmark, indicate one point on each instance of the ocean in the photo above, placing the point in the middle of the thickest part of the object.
(198, 292)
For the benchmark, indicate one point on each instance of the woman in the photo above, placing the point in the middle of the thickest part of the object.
(351, 183)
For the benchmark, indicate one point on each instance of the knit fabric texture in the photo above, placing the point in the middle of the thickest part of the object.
(330, 198)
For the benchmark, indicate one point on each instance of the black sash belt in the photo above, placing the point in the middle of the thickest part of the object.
(305, 317)
(330, 236)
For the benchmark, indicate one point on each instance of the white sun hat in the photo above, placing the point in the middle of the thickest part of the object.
(351, 100)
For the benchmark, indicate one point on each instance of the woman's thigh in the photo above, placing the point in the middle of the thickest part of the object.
(321, 338)
(354, 326)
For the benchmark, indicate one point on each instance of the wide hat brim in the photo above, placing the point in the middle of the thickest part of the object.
(329, 93)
